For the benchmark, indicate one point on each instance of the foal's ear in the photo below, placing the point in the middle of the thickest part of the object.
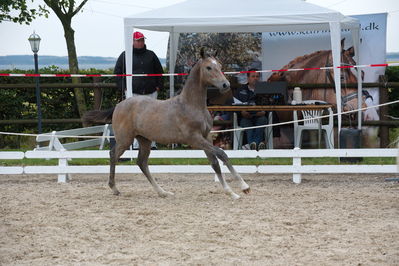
(202, 52)
(216, 53)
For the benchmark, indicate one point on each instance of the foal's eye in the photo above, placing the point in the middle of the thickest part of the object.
(209, 68)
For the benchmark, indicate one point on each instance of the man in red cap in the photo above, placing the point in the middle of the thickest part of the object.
(144, 62)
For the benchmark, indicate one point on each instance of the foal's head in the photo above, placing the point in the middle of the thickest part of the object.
(211, 73)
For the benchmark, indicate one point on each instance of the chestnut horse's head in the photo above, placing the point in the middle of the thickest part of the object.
(347, 74)
(314, 60)
(318, 59)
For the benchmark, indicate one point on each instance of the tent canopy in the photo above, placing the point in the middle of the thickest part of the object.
(239, 16)
(243, 16)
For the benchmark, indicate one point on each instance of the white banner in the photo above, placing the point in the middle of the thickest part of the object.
(312, 48)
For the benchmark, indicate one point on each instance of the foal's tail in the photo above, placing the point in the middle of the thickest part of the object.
(98, 117)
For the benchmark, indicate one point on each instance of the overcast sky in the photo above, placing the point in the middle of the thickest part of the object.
(99, 28)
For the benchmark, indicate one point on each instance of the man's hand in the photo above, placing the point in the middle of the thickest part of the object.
(246, 114)
(261, 113)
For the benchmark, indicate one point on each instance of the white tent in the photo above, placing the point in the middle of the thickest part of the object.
(243, 16)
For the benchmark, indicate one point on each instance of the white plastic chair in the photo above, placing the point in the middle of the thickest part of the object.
(313, 124)
(238, 136)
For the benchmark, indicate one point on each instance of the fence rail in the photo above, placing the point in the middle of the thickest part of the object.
(296, 169)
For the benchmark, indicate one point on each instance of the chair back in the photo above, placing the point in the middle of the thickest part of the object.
(309, 114)
(314, 123)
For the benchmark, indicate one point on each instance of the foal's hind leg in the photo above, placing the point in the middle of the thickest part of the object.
(115, 154)
(142, 162)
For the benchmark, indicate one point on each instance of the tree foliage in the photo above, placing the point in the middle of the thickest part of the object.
(56, 103)
(18, 11)
(65, 11)
(235, 51)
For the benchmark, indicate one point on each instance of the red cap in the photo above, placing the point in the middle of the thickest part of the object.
(138, 35)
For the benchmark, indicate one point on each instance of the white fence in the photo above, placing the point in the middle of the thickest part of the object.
(54, 137)
(296, 168)
(11, 155)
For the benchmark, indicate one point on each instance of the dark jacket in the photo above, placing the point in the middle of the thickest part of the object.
(245, 95)
(144, 62)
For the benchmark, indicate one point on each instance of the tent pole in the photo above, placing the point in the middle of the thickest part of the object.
(356, 45)
(173, 37)
(335, 35)
(129, 59)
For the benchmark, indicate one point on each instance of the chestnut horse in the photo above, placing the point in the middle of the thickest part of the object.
(182, 119)
(323, 59)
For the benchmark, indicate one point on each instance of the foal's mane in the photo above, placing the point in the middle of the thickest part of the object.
(193, 71)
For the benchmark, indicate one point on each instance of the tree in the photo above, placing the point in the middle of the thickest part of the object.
(65, 11)
(235, 51)
(25, 16)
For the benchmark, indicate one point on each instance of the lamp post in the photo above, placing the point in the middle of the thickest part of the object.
(34, 41)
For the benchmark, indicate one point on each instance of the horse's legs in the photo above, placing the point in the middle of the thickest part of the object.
(115, 154)
(223, 157)
(216, 167)
(142, 162)
(213, 153)
(243, 185)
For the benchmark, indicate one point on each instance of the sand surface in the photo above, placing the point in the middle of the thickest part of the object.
(326, 220)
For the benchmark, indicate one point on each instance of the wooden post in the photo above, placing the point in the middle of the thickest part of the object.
(384, 130)
(97, 94)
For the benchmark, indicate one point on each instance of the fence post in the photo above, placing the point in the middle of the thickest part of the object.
(296, 162)
(98, 93)
(63, 162)
(51, 142)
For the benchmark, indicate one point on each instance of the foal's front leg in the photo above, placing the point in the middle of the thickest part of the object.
(213, 153)
(223, 157)
(142, 162)
(216, 167)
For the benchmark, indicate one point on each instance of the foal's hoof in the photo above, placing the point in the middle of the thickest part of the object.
(115, 192)
(247, 190)
(165, 194)
(234, 196)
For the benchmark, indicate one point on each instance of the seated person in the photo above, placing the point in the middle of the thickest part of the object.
(221, 139)
(246, 94)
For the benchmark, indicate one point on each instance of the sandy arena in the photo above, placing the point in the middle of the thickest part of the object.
(326, 220)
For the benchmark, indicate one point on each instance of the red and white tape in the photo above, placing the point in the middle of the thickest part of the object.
(185, 74)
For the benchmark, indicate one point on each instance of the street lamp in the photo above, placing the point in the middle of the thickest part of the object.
(34, 41)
